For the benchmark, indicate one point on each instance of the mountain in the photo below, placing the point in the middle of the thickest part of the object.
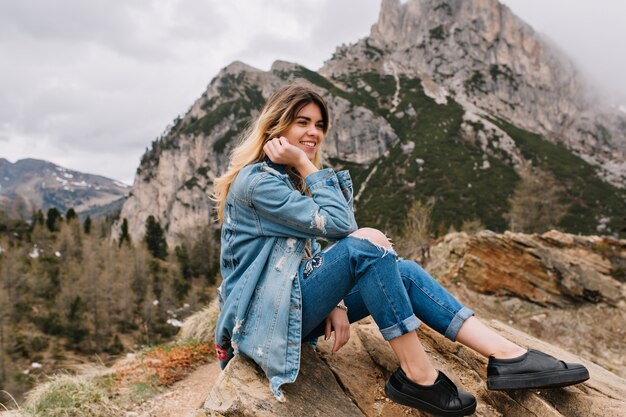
(31, 184)
(457, 105)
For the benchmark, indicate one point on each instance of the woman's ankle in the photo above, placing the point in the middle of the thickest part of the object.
(421, 376)
(510, 353)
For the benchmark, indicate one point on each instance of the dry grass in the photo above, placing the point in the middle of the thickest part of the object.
(201, 325)
(165, 365)
(71, 396)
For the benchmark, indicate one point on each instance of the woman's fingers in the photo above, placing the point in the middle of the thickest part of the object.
(271, 149)
(342, 336)
(328, 329)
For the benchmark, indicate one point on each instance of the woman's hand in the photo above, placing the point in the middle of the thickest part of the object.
(280, 151)
(338, 321)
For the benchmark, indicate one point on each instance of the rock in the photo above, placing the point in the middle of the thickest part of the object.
(363, 365)
(554, 269)
(555, 286)
(350, 382)
(242, 389)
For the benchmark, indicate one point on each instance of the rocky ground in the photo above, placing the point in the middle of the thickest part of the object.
(181, 398)
(559, 293)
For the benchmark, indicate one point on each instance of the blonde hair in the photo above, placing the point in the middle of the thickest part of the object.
(276, 117)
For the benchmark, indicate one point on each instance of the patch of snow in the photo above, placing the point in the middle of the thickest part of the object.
(121, 184)
(36, 365)
(408, 147)
(603, 224)
(61, 180)
(80, 184)
(60, 169)
(155, 303)
(68, 175)
(34, 253)
(419, 161)
(486, 164)
(57, 254)
(175, 323)
(186, 305)
(1, 250)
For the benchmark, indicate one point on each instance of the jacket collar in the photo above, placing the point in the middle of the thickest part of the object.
(280, 168)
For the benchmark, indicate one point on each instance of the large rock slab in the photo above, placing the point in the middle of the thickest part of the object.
(242, 390)
(554, 286)
(603, 395)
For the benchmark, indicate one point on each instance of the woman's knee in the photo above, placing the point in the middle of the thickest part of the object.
(412, 272)
(373, 235)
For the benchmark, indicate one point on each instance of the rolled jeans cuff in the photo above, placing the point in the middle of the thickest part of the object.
(457, 321)
(407, 325)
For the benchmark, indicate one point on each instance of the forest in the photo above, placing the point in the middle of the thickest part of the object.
(71, 293)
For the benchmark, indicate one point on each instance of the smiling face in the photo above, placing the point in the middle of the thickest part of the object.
(307, 130)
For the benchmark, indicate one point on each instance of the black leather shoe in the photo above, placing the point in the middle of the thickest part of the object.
(442, 398)
(533, 369)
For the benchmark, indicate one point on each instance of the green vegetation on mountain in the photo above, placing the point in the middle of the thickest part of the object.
(589, 198)
(433, 161)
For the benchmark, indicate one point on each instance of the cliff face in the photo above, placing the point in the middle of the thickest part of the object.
(446, 102)
(481, 53)
(175, 179)
(577, 273)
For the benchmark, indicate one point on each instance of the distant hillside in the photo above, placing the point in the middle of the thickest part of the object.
(35, 184)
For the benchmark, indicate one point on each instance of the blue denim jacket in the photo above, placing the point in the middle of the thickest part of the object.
(266, 225)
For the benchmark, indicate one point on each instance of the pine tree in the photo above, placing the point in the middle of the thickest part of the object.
(87, 225)
(155, 238)
(38, 218)
(53, 218)
(124, 236)
(70, 214)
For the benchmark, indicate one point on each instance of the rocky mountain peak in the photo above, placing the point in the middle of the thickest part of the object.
(485, 56)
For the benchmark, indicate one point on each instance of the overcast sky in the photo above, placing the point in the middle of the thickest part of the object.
(89, 84)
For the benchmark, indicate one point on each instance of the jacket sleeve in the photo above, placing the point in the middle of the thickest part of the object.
(283, 211)
(345, 184)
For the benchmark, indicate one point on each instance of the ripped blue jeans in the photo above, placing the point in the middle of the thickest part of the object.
(372, 281)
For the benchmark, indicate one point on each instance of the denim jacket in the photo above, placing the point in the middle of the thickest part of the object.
(266, 225)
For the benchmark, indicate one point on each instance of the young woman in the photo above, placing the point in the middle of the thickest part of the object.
(280, 289)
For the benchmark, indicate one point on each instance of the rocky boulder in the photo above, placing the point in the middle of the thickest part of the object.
(554, 286)
(541, 284)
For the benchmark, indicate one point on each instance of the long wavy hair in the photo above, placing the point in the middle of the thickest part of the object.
(276, 117)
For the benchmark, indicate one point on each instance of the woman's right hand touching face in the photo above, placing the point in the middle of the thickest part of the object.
(280, 151)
